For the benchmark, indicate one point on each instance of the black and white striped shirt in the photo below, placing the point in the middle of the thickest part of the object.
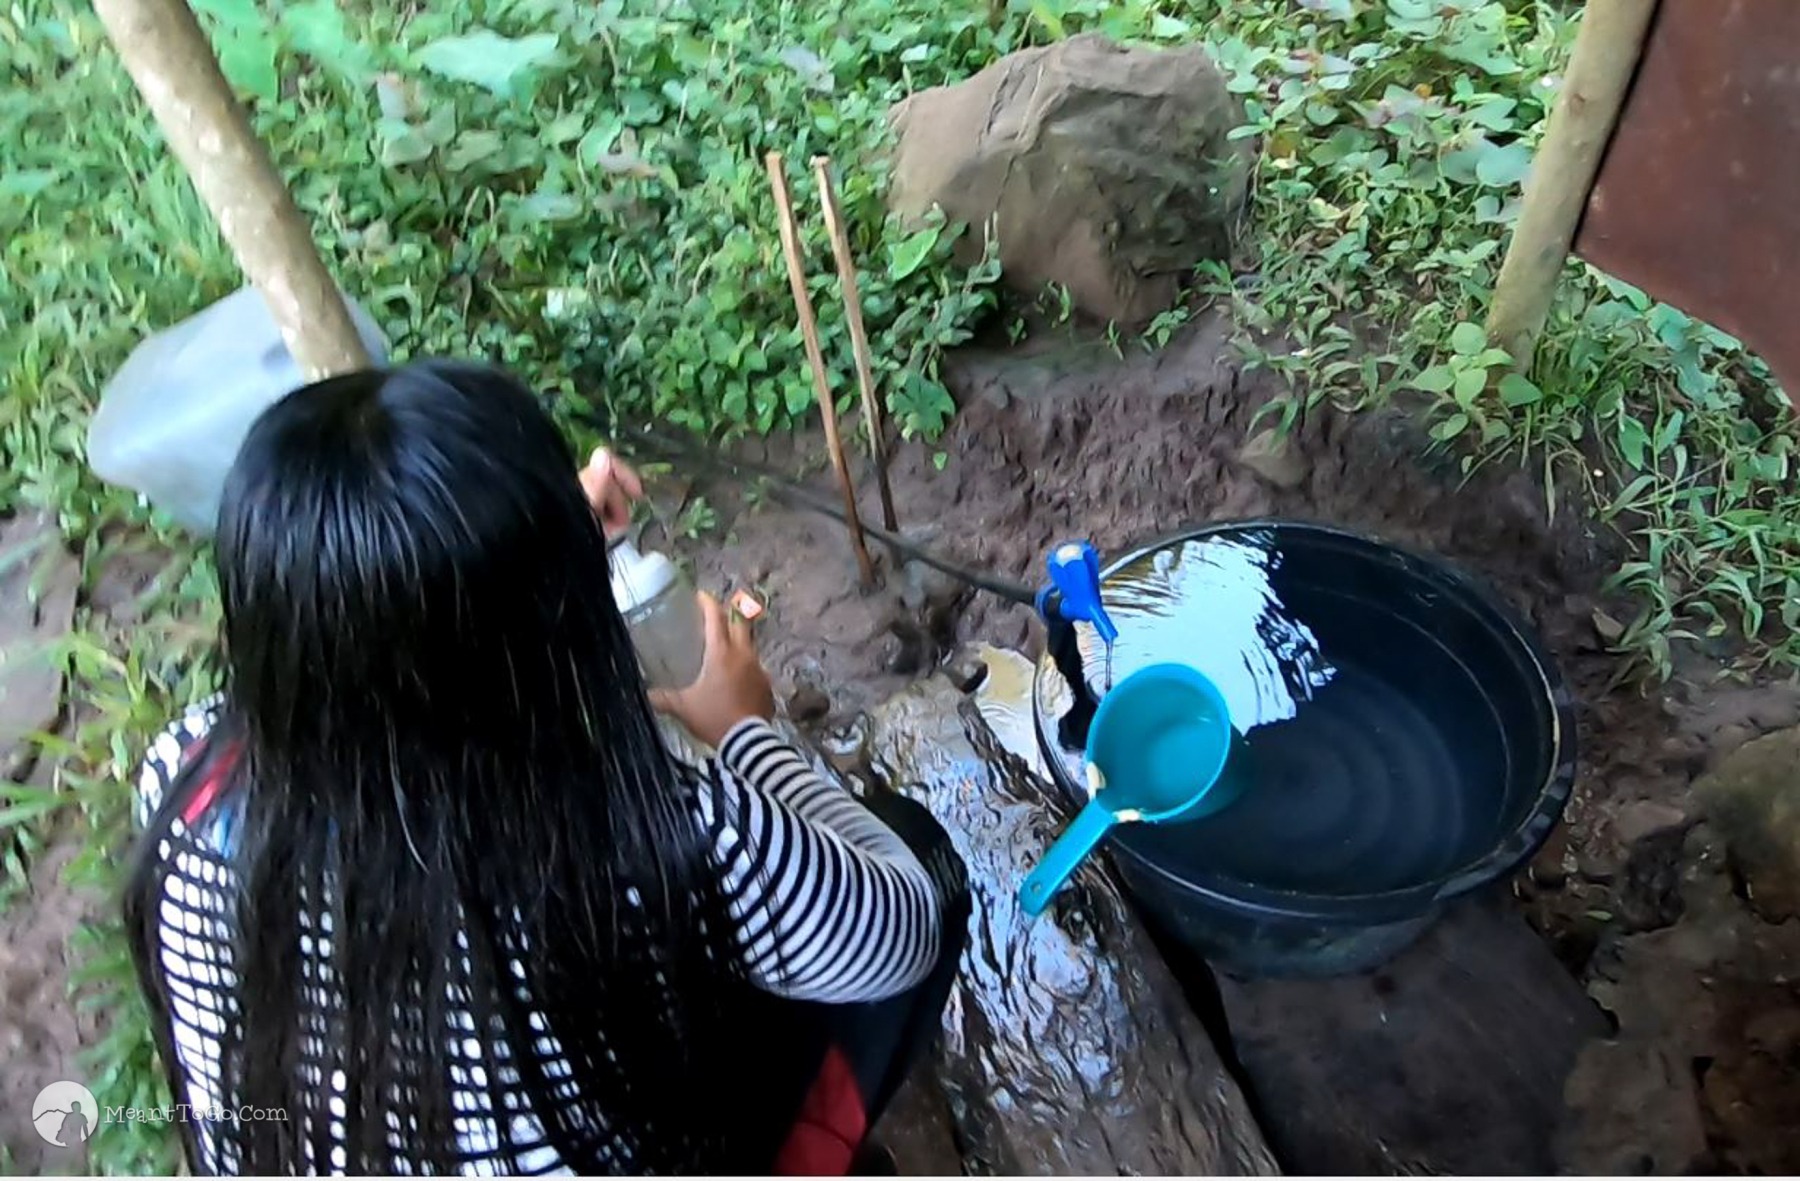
(831, 906)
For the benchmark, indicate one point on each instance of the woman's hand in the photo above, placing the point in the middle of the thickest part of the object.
(611, 485)
(732, 685)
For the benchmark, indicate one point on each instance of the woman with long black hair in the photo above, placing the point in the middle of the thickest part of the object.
(424, 890)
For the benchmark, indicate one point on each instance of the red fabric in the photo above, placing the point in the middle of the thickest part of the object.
(831, 1126)
(204, 795)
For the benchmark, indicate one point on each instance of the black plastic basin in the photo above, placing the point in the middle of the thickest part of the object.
(1404, 740)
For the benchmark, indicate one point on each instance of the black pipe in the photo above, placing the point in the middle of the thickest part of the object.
(1060, 637)
(667, 449)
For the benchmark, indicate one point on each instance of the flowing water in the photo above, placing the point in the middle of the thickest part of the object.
(1373, 755)
(1069, 1048)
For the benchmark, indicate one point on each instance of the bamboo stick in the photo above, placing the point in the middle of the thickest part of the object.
(859, 336)
(172, 63)
(1593, 93)
(815, 357)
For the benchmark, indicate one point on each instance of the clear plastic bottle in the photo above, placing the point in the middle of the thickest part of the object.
(663, 612)
(172, 419)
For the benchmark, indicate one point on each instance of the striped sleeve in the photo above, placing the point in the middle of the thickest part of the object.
(163, 761)
(831, 905)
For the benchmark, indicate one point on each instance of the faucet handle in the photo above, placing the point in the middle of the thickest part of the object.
(1075, 574)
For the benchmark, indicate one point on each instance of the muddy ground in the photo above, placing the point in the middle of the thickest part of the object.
(1635, 894)
(1062, 440)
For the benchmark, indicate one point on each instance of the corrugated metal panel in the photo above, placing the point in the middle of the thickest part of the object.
(1698, 199)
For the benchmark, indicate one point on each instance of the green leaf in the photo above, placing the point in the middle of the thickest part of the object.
(564, 129)
(232, 15)
(1469, 384)
(1337, 10)
(1518, 390)
(1668, 432)
(1467, 339)
(1504, 166)
(1634, 440)
(909, 254)
(1451, 427)
(401, 143)
(26, 183)
(318, 29)
(471, 148)
(1437, 379)
(484, 58)
(248, 61)
(1168, 28)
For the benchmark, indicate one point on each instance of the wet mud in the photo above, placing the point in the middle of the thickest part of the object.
(1063, 440)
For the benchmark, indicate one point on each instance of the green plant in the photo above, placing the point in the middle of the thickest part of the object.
(696, 519)
(1462, 380)
(575, 188)
(1395, 137)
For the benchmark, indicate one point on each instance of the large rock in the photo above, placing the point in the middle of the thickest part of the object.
(1753, 798)
(1104, 169)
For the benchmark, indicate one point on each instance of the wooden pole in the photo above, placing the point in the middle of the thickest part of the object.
(1593, 92)
(859, 336)
(815, 357)
(170, 59)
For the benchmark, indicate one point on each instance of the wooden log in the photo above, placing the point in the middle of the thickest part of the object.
(815, 358)
(1069, 1047)
(1587, 108)
(172, 63)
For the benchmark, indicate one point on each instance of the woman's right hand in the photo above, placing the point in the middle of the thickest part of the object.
(732, 685)
(611, 485)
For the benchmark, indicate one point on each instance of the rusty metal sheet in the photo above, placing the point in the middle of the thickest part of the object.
(1698, 198)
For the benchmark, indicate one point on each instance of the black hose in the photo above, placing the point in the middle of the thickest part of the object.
(1072, 727)
(667, 449)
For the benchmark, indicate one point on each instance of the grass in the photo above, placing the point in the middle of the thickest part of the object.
(575, 188)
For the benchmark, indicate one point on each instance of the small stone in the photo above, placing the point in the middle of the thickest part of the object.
(1607, 628)
(966, 670)
(1271, 456)
(1548, 870)
(846, 748)
(1637, 820)
(1595, 870)
(808, 704)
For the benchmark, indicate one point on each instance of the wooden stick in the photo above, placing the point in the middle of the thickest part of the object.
(1593, 92)
(859, 336)
(170, 59)
(815, 357)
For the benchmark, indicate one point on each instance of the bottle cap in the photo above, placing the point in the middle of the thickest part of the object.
(637, 578)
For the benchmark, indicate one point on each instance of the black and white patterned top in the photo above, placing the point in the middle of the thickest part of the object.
(831, 905)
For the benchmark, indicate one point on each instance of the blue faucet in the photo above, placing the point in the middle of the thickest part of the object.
(1073, 596)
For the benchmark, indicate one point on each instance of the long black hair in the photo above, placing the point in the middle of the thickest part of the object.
(451, 792)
